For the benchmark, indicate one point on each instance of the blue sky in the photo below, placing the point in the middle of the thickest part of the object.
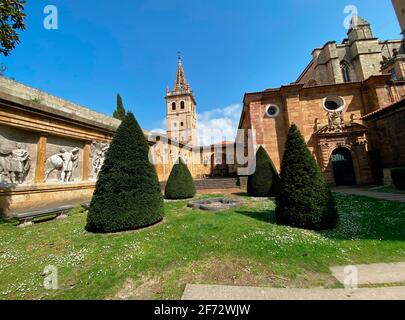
(229, 47)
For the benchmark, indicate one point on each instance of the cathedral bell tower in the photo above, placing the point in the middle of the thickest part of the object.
(181, 116)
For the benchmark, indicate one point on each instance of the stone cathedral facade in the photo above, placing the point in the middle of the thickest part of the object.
(329, 102)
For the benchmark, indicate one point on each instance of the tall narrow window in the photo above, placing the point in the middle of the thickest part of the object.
(345, 67)
(174, 106)
(182, 106)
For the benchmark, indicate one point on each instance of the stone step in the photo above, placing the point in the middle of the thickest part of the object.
(216, 185)
(213, 183)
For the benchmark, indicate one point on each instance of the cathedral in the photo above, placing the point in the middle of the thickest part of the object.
(331, 103)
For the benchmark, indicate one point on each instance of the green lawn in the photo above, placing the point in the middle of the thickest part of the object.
(241, 247)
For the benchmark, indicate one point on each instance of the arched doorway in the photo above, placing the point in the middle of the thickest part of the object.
(343, 169)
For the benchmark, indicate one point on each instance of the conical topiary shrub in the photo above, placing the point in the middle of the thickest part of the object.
(180, 184)
(127, 194)
(304, 199)
(265, 181)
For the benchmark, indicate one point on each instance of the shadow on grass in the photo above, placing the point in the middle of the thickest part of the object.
(241, 194)
(263, 216)
(368, 218)
(9, 221)
(361, 218)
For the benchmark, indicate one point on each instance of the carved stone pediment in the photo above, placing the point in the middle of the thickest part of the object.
(341, 128)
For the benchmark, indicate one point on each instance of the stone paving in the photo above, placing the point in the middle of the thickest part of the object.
(378, 273)
(359, 191)
(215, 292)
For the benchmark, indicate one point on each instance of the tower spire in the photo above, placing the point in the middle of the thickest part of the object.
(181, 81)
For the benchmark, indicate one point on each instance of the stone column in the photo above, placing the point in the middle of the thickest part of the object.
(41, 159)
(86, 161)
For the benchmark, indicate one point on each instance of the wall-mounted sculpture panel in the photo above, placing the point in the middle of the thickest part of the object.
(64, 162)
(18, 152)
(97, 157)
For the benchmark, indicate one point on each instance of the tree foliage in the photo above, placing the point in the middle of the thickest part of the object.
(12, 20)
(265, 181)
(127, 194)
(119, 112)
(304, 199)
(180, 184)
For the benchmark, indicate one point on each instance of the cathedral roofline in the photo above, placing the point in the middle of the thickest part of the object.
(282, 88)
(392, 107)
(255, 96)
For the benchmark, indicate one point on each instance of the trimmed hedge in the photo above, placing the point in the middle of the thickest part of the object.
(265, 181)
(180, 184)
(127, 194)
(398, 178)
(304, 200)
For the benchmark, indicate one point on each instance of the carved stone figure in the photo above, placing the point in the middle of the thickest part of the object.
(20, 164)
(65, 162)
(98, 153)
(336, 122)
(15, 164)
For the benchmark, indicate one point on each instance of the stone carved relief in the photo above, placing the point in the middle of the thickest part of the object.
(98, 153)
(15, 165)
(65, 162)
(336, 122)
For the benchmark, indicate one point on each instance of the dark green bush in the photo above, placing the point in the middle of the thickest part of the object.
(304, 199)
(398, 178)
(127, 194)
(180, 184)
(265, 181)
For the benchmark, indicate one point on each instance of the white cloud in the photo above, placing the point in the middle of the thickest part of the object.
(218, 124)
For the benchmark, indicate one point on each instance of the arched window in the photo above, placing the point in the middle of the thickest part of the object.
(182, 105)
(174, 106)
(345, 67)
